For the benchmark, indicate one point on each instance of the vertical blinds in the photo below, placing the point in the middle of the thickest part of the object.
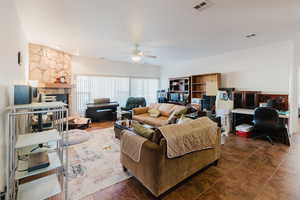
(145, 88)
(116, 88)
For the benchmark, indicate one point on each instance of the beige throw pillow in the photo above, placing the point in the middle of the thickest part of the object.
(154, 113)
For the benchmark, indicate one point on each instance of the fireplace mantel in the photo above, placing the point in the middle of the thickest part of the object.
(55, 85)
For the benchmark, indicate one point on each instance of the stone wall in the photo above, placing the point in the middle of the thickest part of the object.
(47, 64)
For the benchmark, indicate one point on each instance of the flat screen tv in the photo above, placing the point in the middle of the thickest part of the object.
(174, 97)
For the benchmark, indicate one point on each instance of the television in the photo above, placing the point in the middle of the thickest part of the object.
(174, 97)
(22, 94)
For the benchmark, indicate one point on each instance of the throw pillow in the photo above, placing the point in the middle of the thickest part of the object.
(175, 115)
(181, 112)
(172, 118)
(183, 120)
(154, 113)
(142, 131)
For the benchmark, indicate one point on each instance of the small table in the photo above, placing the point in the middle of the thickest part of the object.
(126, 114)
(78, 122)
(121, 125)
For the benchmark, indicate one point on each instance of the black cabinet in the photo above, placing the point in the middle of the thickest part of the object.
(246, 99)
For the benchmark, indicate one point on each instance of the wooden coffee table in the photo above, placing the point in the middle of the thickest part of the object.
(121, 125)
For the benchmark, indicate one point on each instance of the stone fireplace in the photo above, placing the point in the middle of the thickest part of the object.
(46, 65)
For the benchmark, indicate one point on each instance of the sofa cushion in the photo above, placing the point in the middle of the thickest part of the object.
(141, 117)
(141, 110)
(166, 109)
(145, 118)
(160, 121)
(154, 106)
(154, 113)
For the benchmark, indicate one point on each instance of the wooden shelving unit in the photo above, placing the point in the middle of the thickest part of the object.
(180, 87)
(205, 84)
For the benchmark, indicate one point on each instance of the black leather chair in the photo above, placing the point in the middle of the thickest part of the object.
(134, 102)
(266, 123)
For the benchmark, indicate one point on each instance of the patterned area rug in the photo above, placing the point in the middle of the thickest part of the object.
(95, 164)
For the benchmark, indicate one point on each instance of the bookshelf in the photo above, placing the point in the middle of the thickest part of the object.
(205, 84)
(181, 88)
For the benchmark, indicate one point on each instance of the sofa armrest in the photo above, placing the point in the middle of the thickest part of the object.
(140, 110)
(148, 169)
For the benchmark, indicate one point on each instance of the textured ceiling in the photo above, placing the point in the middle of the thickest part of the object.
(170, 29)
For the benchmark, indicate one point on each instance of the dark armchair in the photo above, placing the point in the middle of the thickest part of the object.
(266, 123)
(134, 102)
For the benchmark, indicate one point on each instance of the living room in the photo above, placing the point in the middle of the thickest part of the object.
(147, 99)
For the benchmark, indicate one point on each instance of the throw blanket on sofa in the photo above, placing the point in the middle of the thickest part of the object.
(131, 145)
(191, 136)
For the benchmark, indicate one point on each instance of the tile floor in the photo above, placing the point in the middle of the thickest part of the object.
(248, 170)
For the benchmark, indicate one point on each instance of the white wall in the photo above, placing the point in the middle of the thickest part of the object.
(260, 69)
(93, 66)
(12, 40)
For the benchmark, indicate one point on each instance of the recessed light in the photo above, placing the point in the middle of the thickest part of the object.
(251, 35)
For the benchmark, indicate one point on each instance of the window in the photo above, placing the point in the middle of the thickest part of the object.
(116, 88)
(143, 87)
(90, 87)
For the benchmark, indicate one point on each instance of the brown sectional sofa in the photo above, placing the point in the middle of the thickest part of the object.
(158, 173)
(142, 115)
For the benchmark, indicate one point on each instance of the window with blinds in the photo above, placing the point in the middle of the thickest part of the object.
(143, 87)
(116, 88)
(90, 87)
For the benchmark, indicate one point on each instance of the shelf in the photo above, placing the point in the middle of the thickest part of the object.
(54, 164)
(179, 91)
(37, 138)
(39, 189)
(43, 105)
(198, 91)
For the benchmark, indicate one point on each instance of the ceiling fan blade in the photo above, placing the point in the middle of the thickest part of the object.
(149, 56)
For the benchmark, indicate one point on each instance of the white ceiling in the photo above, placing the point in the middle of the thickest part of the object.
(170, 29)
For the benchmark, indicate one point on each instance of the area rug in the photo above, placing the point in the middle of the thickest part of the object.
(95, 164)
(77, 136)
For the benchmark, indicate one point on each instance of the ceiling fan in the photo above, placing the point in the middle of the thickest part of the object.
(137, 55)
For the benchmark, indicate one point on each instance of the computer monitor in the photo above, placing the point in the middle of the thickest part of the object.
(22, 94)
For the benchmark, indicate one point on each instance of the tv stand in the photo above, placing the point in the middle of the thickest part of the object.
(178, 103)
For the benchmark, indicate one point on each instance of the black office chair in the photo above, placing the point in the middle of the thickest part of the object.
(265, 123)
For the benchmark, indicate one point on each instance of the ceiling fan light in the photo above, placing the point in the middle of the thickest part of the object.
(136, 58)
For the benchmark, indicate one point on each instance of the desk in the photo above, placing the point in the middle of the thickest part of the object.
(251, 112)
(241, 115)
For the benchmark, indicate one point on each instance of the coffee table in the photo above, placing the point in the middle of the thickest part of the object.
(121, 125)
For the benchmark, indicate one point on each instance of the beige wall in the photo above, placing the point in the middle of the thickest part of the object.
(47, 64)
(264, 68)
(12, 40)
(94, 66)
